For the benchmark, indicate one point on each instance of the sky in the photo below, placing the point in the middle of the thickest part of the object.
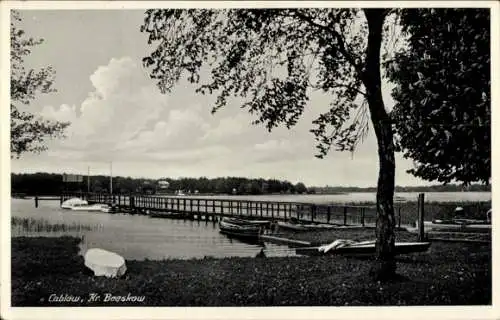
(119, 116)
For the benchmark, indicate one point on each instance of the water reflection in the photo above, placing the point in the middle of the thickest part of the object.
(140, 237)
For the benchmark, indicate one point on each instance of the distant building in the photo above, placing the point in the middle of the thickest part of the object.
(163, 184)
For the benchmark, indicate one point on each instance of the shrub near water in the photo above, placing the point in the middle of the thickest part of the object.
(448, 274)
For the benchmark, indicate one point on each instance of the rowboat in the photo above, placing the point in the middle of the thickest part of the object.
(361, 248)
(304, 227)
(109, 209)
(91, 207)
(461, 221)
(242, 231)
(239, 221)
(450, 225)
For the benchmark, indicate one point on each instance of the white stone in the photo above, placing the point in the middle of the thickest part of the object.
(105, 263)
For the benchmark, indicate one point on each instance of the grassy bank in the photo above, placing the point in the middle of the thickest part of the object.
(448, 274)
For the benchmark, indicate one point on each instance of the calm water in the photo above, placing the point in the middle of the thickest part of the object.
(140, 237)
(364, 197)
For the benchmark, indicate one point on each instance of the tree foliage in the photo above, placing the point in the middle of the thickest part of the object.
(442, 111)
(28, 132)
(271, 60)
(51, 184)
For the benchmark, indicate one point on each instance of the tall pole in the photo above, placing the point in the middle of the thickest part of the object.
(111, 178)
(421, 213)
(88, 179)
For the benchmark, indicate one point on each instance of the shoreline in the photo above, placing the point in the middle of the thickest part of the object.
(447, 274)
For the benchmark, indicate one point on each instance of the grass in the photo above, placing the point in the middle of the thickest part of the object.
(42, 225)
(448, 274)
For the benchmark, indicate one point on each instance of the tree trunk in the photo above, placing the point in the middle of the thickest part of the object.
(385, 265)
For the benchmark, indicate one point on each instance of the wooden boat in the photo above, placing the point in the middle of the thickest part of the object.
(362, 248)
(241, 231)
(304, 227)
(243, 222)
(461, 221)
(109, 208)
(90, 207)
(441, 225)
(292, 226)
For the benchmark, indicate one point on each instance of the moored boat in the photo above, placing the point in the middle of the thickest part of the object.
(239, 221)
(91, 207)
(362, 248)
(74, 202)
(242, 231)
(450, 225)
(109, 208)
(303, 226)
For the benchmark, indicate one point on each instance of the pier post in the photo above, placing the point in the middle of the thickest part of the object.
(363, 217)
(313, 212)
(421, 231)
(399, 217)
(328, 214)
(36, 201)
(345, 216)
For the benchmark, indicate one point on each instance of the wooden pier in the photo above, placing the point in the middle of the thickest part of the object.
(198, 207)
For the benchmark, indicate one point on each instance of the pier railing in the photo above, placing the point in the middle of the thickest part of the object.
(221, 207)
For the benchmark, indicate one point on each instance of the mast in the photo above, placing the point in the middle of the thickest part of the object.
(111, 178)
(88, 179)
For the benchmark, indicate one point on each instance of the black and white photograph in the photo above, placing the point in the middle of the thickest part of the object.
(332, 156)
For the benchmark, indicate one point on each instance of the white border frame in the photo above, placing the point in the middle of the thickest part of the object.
(289, 313)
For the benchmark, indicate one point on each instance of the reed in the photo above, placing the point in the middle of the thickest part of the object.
(43, 225)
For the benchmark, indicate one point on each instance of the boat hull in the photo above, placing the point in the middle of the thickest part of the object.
(73, 202)
(429, 225)
(304, 227)
(367, 249)
(246, 222)
(239, 231)
(88, 208)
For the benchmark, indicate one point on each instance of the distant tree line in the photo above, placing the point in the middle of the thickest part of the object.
(431, 188)
(47, 183)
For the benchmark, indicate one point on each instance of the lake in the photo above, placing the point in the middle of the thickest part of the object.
(139, 237)
(362, 197)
